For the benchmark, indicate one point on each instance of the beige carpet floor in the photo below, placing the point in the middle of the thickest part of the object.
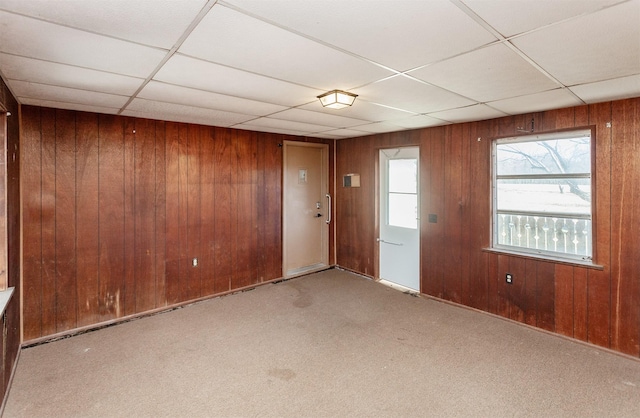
(330, 344)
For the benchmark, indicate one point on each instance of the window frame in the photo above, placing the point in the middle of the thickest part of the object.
(541, 253)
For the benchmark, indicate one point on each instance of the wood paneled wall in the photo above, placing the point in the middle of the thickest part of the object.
(10, 321)
(117, 208)
(598, 306)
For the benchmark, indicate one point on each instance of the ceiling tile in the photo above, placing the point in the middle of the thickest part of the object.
(595, 47)
(272, 130)
(513, 17)
(417, 121)
(491, 73)
(377, 128)
(250, 44)
(618, 88)
(361, 110)
(470, 113)
(45, 72)
(288, 125)
(401, 34)
(553, 99)
(158, 23)
(317, 118)
(198, 74)
(345, 133)
(26, 90)
(70, 106)
(69, 46)
(169, 93)
(410, 95)
(180, 113)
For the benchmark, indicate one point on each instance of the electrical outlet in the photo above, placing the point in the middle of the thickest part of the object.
(194, 262)
(509, 278)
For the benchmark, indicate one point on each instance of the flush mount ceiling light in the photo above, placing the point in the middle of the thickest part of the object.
(337, 99)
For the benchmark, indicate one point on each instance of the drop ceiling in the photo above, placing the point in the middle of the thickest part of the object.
(259, 64)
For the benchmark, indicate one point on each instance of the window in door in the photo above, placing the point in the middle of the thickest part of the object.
(403, 193)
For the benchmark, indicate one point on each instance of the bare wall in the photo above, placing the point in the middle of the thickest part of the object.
(598, 306)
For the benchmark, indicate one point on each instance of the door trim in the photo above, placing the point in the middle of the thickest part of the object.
(325, 191)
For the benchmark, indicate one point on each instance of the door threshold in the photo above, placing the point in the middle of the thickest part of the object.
(399, 287)
(306, 270)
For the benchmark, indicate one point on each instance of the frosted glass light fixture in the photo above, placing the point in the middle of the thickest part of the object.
(337, 99)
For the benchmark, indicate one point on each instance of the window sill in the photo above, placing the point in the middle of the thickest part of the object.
(551, 259)
(5, 297)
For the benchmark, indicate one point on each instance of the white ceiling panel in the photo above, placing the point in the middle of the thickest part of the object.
(417, 121)
(158, 23)
(191, 72)
(514, 17)
(407, 94)
(169, 93)
(317, 118)
(344, 133)
(361, 109)
(70, 46)
(181, 113)
(553, 99)
(401, 34)
(230, 38)
(618, 88)
(269, 129)
(470, 113)
(24, 90)
(261, 64)
(596, 47)
(44, 72)
(70, 106)
(491, 73)
(288, 125)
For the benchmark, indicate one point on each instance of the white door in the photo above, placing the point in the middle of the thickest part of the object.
(306, 208)
(399, 216)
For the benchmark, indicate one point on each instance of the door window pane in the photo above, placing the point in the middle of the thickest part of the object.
(403, 193)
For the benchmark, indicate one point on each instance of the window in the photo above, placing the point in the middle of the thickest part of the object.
(403, 193)
(542, 194)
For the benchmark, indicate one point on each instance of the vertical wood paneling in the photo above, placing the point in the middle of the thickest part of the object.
(245, 258)
(625, 211)
(564, 299)
(48, 164)
(129, 235)
(172, 214)
(87, 218)
(437, 232)
(451, 216)
(530, 287)
(32, 222)
(518, 297)
(545, 296)
(111, 227)
(117, 208)
(222, 237)
(580, 306)
(160, 215)
(207, 212)
(599, 282)
(144, 216)
(65, 221)
(194, 285)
